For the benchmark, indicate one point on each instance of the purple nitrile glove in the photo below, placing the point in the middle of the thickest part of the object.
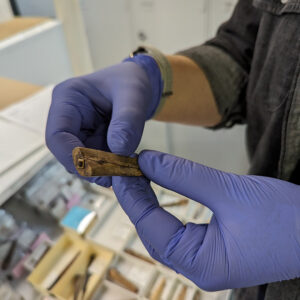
(253, 237)
(104, 110)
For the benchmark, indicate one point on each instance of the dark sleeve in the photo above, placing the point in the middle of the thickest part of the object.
(226, 61)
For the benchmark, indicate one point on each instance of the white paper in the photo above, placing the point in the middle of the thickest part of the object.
(178, 211)
(32, 112)
(114, 232)
(137, 245)
(14, 178)
(139, 273)
(16, 143)
(111, 291)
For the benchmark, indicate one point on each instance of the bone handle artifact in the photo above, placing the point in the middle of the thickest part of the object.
(116, 277)
(156, 294)
(180, 202)
(91, 162)
(138, 255)
(182, 294)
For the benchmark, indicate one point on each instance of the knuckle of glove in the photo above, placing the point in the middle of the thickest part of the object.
(67, 89)
(63, 86)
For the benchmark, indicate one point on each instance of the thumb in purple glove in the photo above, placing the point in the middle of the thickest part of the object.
(253, 237)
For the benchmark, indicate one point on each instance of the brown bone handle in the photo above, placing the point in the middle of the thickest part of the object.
(182, 294)
(180, 202)
(116, 277)
(138, 255)
(91, 162)
(156, 294)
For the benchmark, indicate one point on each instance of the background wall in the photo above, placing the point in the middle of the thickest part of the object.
(43, 8)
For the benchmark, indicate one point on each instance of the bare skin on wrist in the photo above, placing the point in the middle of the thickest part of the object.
(192, 102)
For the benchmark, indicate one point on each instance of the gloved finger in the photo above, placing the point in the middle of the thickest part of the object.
(152, 251)
(138, 190)
(139, 201)
(72, 122)
(155, 226)
(129, 114)
(62, 133)
(209, 186)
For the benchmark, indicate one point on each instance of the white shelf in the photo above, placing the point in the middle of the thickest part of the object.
(23, 151)
(13, 179)
(37, 55)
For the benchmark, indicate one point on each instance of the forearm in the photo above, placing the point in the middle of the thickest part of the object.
(192, 101)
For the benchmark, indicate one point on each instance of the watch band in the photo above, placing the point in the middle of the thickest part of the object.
(163, 64)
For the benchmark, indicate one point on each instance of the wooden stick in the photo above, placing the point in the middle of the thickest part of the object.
(180, 202)
(64, 271)
(87, 275)
(138, 255)
(78, 283)
(91, 162)
(156, 294)
(116, 277)
(81, 280)
(9, 256)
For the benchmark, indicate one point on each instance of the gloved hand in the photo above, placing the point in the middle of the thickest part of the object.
(254, 234)
(104, 110)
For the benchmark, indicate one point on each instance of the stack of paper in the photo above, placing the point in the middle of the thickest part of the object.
(16, 144)
(31, 112)
(22, 146)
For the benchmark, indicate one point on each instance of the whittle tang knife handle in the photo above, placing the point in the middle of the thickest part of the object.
(91, 162)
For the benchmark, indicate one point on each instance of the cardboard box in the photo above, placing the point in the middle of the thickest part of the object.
(70, 248)
(19, 24)
(13, 91)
